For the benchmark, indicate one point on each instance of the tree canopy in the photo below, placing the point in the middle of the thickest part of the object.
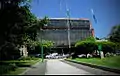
(114, 35)
(18, 25)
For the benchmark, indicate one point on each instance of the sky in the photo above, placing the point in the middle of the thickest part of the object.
(107, 12)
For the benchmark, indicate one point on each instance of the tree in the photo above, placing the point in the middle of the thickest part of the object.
(18, 25)
(35, 26)
(37, 46)
(114, 35)
(86, 46)
(13, 19)
(97, 38)
(90, 39)
(107, 46)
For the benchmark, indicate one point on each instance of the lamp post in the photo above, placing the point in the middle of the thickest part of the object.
(100, 51)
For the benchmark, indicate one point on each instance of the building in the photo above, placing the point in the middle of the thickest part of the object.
(57, 30)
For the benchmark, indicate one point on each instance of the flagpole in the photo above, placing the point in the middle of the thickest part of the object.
(95, 20)
(68, 23)
(100, 45)
(68, 26)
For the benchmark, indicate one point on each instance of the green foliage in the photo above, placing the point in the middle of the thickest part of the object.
(86, 46)
(13, 65)
(23, 22)
(6, 68)
(9, 51)
(114, 35)
(117, 46)
(107, 46)
(44, 21)
(47, 43)
(97, 38)
(109, 54)
(90, 39)
(14, 29)
(28, 58)
(90, 45)
(18, 25)
(111, 62)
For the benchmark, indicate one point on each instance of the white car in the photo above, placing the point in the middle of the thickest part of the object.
(50, 56)
(82, 55)
(47, 56)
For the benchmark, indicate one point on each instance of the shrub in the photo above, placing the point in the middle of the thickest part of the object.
(109, 54)
(6, 68)
(28, 58)
(86, 46)
(9, 52)
(89, 46)
(107, 46)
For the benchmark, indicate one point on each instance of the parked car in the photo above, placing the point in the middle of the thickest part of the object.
(50, 56)
(82, 55)
(118, 52)
(89, 55)
(47, 56)
(35, 55)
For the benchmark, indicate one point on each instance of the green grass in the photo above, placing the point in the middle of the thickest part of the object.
(16, 72)
(19, 64)
(22, 62)
(112, 62)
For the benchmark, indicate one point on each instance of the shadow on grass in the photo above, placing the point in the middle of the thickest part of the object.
(22, 64)
(18, 64)
(12, 65)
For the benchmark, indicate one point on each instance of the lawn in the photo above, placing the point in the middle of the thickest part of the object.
(16, 72)
(22, 62)
(112, 62)
(7, 68)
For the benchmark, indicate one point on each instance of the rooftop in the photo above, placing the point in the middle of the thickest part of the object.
(70, 18)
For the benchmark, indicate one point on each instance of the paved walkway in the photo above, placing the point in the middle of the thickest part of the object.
(37, 69)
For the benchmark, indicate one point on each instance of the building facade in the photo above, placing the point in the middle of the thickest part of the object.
(57, 30)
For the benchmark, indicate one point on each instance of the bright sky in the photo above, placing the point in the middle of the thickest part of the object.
(107, 12)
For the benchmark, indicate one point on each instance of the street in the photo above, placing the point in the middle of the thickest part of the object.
(62, 67)
(58, 67)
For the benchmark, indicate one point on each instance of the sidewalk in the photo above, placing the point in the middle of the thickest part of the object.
(37, 69)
